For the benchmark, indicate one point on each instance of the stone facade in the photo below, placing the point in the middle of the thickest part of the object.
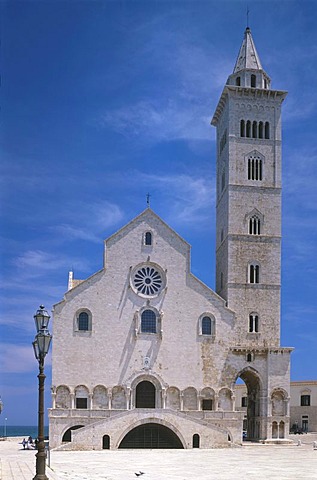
(145, 354)
(303, 405)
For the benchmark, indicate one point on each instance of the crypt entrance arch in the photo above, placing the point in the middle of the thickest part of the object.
(151, 434)
(252, 423)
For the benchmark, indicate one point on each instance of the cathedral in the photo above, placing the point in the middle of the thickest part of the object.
(145, 355)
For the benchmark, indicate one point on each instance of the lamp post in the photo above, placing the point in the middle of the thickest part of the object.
(41, 346)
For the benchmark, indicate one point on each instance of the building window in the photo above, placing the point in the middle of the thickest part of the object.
(148, 238)
(248, 132)
(249, 357)
(81, 403)
(207, 404)
(253, 81)
(254, 130)
(253, 323)
(244, 401)
(254, 168)
(207, 325)
(305, 401)
(148, 321)
(242, 128)
(83, 321)
(260, 129)
(254, 225)
(254, 273)
(238, 81)
(267, 130)
(148, 280)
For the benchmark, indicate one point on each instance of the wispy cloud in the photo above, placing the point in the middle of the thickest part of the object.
(152, 121)
(87, 221)
(18, 358)
(189, 198)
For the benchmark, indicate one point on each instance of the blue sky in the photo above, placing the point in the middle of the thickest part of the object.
(105, 101)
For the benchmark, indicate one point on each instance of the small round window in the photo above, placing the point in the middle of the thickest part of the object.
(148, 280)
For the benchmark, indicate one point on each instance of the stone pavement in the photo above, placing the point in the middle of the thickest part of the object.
(250, 462)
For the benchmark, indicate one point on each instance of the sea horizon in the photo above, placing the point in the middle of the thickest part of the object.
(21, 431)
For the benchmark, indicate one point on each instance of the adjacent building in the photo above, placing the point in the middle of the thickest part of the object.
(147, 356)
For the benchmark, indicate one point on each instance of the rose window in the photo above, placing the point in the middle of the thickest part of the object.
(147, 280)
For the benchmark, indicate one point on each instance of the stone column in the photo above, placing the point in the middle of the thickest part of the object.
(72, 400)
(90, 401)
(163, 397)
(53, 399)
(128, 396)
(182, 400)
(109, 391)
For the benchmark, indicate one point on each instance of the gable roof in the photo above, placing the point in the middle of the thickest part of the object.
(147, 212)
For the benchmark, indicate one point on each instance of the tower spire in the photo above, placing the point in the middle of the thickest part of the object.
(248, 57)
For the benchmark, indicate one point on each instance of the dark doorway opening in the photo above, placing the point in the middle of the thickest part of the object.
(151, 435)
(106, 442)
(145, 395)
(196, 441)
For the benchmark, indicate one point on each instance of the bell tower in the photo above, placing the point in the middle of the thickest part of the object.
(248, 243)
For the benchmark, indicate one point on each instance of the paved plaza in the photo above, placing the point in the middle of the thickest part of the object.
(252, 461)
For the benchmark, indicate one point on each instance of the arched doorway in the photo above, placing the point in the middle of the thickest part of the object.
(196, 440)
(145, 395)
(250, 403)
(151, 435)
(67, 437)
(106, 442)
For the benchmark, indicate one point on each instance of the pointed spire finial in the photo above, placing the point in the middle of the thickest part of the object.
(148, 200)
(248, 11)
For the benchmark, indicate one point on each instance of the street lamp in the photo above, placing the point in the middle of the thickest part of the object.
(41, 346)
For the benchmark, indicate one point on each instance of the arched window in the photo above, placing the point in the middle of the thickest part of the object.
(254, 225)
(83, 321)
(148, 321)
(249, 357)
(267, 130)
(207, 325)
(254, 273)
(248, 132)
(260, 129)
(242, 128)
(253, 323)
(238, 81)
(148, 238)
(254, 130)
(253, 81)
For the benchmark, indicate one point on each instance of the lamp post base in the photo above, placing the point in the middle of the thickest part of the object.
(40, 466)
